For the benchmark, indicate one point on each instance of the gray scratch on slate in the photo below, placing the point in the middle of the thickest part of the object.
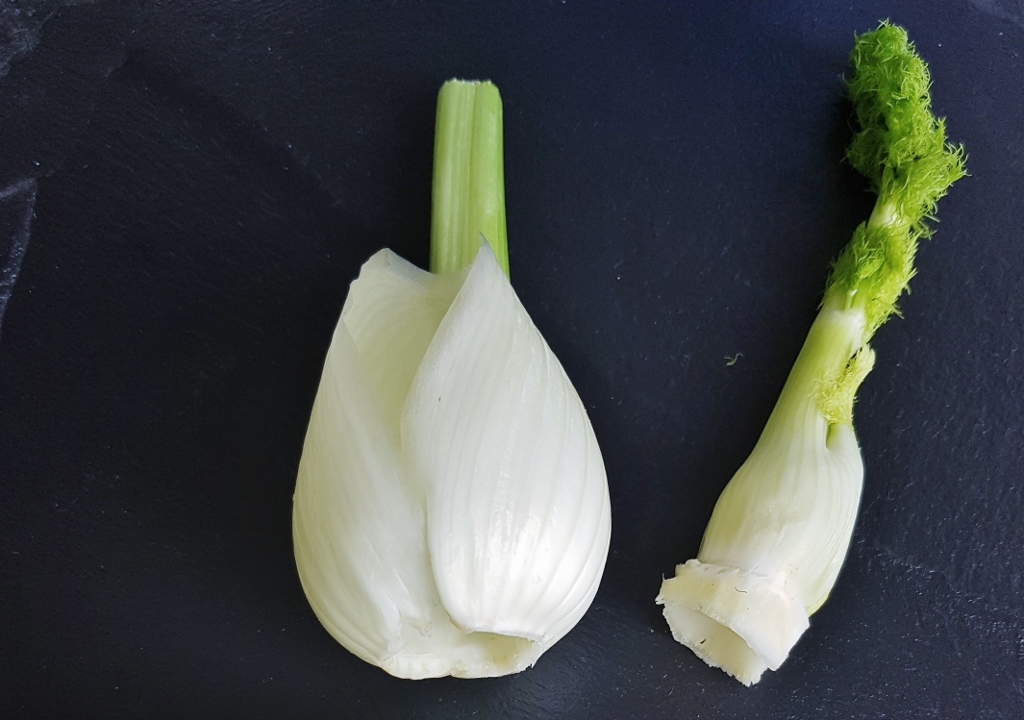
(21, 26)
(19, 31)
(16, 205)
(1012, 10)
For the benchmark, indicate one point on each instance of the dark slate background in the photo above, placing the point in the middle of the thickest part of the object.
(188, 188)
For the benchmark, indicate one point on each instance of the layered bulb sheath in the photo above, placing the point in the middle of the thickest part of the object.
(451, 514)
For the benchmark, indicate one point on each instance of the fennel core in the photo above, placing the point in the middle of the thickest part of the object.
(780, 531)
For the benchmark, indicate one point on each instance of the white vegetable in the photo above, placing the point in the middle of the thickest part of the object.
(780, 531)
(451, 515)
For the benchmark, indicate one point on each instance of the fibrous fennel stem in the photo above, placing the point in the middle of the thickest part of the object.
(781, 528)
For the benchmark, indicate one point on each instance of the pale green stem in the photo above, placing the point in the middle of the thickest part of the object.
(883, 214)
(834, 337)
(469, 176)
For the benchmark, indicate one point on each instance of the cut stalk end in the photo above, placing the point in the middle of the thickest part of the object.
(469, 176)
(736, 620)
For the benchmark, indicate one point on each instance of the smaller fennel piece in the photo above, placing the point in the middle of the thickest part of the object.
(780, 531)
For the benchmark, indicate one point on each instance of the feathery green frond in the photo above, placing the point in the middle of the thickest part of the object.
(901, 148)
(836, 395)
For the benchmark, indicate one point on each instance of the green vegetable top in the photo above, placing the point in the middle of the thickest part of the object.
(901, 147)
(469, 176)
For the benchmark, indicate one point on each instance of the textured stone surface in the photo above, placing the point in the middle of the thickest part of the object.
(207, 178)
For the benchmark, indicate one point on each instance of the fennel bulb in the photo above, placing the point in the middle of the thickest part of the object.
(780, 531)
(451, 513)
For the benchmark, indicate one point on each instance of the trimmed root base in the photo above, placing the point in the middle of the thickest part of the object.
(736, 620)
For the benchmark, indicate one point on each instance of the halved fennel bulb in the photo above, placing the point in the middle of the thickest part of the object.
(451, 514)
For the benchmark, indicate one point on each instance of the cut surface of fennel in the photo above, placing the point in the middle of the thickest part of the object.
(767, 560)
(451, 514)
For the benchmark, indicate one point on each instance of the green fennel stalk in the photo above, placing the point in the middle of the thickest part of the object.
(780, 531)
(469, 176)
